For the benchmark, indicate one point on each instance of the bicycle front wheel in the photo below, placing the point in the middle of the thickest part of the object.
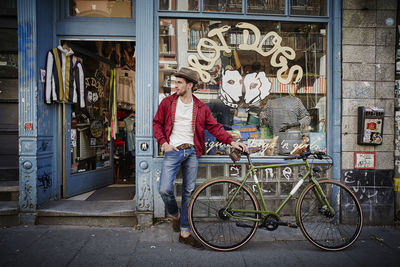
(324, 229)
(212, 226)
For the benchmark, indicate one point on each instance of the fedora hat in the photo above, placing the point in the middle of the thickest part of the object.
(188, 74)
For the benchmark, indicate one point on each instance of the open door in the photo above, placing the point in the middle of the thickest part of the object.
(92, 129)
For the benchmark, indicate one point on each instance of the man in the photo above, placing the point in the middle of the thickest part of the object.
(179, 126)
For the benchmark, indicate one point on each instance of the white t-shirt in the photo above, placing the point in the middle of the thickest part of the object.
(182, 133)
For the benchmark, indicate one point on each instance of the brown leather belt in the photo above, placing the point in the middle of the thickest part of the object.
(185, 146)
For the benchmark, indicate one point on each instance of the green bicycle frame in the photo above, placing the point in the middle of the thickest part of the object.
(251, 172)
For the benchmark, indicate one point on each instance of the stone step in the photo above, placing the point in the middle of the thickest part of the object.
(9, 174)
(9, 190)
(9, 213)
(88, 213)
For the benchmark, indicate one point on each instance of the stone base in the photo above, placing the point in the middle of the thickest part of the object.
(144, 219)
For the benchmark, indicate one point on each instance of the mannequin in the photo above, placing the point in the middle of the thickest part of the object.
(285, 114)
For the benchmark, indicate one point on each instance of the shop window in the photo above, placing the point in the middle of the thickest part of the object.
(264, 81)
(308, 7)
(107, 122)
(180, 5)
(266, 6)
(223, 5)
(101, 8)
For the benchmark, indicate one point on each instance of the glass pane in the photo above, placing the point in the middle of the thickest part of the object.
(91, 125)
(101, 8)
(223, 5)
(264, 81)
(181, 5)
(266, 6)
(309, 7)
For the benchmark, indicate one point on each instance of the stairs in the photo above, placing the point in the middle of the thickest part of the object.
(111, 206)
(9, 194)
(88, 213)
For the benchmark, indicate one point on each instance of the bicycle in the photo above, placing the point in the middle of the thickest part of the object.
(327, 212)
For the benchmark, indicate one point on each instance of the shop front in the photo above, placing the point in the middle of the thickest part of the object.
(267, 74)
(266, 71)
(78, 90)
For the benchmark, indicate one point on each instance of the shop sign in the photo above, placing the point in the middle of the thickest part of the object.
(257, 85)
(279, 58)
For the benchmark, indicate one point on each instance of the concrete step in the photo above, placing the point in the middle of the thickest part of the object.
(9, 174)
(9, 190)
(9, 213)
(88, 213)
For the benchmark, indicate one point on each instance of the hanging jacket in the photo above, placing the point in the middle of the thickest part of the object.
(163, 123)
(65, 81)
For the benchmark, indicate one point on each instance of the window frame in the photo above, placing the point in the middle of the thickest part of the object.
(72, 25)
(161, 14)
(286, 14)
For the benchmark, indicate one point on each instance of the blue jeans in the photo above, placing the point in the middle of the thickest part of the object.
(173, 161)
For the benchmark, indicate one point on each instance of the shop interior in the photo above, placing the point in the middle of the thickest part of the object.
(103, 132)
(258, 113)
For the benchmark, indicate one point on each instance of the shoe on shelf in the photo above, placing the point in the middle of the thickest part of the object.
(191, 241)
(176, 226)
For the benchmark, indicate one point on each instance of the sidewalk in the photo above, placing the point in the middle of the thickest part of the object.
(158, 246)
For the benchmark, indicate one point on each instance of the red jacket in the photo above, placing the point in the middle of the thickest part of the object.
(163, 123)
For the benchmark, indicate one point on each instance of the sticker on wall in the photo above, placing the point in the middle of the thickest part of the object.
(364, 160)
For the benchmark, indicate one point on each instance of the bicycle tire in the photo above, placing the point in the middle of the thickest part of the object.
(330, 232)
(208, 223)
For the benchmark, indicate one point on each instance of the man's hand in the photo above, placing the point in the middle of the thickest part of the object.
(240, 146)
(167, 147)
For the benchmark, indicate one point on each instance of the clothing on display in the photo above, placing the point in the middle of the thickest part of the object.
(130, 132)
(64, 77)
(125, 80)
(288, 110)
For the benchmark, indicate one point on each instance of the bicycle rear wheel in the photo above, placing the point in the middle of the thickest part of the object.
(328, 231)
(211, 226)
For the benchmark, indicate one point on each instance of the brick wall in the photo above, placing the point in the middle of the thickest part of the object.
(368, 75)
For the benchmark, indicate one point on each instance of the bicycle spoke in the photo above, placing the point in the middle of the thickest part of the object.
(208, 221)
(330, 232)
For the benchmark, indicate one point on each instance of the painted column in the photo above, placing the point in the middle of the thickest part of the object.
(144, 111)
(27, 80)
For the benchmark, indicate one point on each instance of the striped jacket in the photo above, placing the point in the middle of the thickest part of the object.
(65, 81)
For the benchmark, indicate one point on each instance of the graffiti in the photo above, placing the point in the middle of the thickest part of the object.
(25, 44)
(269, 174)
(370, 186)
(254, 188)
(45, 181)
(287, 173)
(358, 91)
(144, 196)
(26, 197)
(43, 146)
(234, 170)
(279, 54)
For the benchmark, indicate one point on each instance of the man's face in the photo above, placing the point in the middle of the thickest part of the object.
(182, 87)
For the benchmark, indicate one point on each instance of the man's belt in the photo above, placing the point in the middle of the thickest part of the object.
(185, 146)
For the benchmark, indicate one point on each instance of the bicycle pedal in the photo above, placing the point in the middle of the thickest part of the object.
(244, 225)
